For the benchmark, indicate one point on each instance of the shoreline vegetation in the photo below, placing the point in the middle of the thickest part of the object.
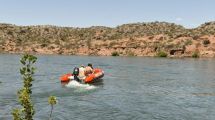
(160, 39)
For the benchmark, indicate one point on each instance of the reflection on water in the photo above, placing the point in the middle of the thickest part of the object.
(132, 88)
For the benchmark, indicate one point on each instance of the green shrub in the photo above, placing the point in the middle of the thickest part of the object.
(170, 46)
(27, 72)
(195, 55)
(52, 101)
(130, 53)
(188, 42)
(206, 42)
(115, 53)
(162, 54)
(195, 37)
(89, 43)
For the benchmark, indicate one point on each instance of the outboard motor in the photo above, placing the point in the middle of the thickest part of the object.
(76, 73)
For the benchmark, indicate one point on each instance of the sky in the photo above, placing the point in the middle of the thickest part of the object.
(110, 13)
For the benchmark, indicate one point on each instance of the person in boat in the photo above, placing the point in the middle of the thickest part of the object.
(90, 65)
(88, 69)
(81, 74)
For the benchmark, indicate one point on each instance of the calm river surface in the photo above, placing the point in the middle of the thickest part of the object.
(133, 88)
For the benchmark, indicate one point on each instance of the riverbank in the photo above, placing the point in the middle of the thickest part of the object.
(140, 39)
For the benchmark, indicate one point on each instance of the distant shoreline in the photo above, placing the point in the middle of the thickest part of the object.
(112, 27)
(138, 39)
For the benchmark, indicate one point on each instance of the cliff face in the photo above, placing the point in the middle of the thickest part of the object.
(139, 39)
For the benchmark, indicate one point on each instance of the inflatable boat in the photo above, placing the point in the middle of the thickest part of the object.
(97, 74)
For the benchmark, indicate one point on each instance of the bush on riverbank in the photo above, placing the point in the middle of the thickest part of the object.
(115, 53)
(162, 54)
(195, 55)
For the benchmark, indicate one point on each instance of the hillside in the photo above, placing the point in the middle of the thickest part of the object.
(138, 39)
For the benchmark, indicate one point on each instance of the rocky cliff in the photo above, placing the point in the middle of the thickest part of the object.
(138, 39)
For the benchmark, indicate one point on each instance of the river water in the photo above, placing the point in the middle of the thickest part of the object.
(133, 88)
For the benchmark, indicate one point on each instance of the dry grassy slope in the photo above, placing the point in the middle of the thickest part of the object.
(138, 39)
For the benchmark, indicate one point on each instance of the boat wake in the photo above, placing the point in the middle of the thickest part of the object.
(82, 87)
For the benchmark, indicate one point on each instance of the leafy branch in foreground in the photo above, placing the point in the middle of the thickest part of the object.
(27, 71)
(52, 101)
(24, 94)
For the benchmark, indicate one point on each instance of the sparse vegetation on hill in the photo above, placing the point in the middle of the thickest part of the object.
(143, 39)
(206, 42)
